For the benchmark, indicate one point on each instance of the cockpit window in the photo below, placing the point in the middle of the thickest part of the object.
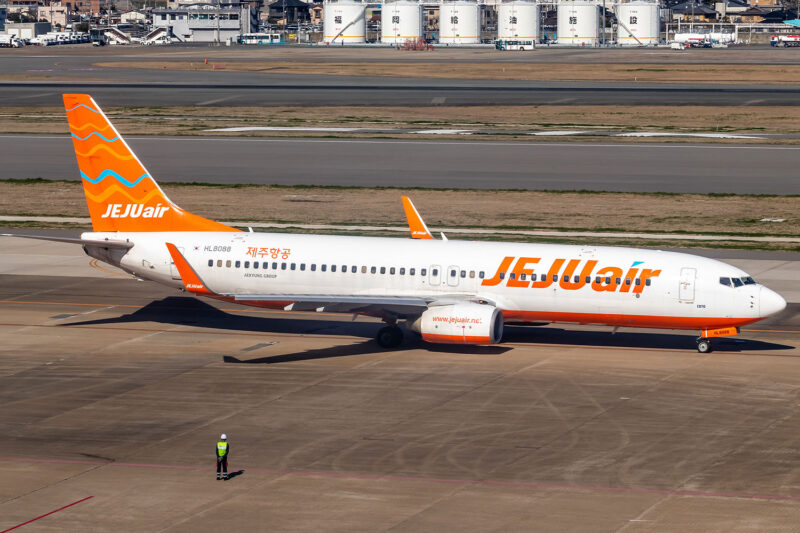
(725, 281)
(737, 282)
(748, 280)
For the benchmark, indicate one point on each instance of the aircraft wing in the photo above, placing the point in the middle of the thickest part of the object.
(104, 243)
(400, 306)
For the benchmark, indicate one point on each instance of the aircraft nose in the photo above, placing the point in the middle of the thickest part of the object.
(770, 302)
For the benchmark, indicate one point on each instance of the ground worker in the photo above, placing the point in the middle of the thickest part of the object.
(222, 457)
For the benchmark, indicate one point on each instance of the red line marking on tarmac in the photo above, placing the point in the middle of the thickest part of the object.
(47, 514)
(377, 477)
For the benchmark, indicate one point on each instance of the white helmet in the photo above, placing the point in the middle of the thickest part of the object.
(223, 437)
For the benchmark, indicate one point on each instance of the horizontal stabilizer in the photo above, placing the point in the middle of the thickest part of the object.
(105, 243)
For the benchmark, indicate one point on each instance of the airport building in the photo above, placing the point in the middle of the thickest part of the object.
(206, 23)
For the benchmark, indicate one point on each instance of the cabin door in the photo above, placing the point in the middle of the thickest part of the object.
(686, 287)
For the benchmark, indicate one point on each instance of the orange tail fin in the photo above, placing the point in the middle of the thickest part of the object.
(121, 194)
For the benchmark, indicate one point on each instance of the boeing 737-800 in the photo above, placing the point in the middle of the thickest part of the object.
(446, 291)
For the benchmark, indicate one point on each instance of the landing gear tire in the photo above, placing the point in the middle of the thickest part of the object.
(389, 337)
(704, 346)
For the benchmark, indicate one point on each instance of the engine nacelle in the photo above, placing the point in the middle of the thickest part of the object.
(466, 323)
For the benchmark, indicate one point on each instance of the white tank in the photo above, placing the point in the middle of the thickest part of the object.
(518, 19)
(343, 21)
(401, 21)
(459, 22)
(639, 20)
(578, 23)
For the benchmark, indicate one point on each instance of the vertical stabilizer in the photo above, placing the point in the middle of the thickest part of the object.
(120, 193)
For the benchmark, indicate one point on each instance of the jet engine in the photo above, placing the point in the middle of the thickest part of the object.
(462, 323)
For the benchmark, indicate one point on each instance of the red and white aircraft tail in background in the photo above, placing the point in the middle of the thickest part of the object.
(447, 291)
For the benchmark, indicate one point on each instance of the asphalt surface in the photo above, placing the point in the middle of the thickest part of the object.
(114, 392)
(429, 163)
(37, 78)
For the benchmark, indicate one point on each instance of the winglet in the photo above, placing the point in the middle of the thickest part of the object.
(189, 277)
(415, 223)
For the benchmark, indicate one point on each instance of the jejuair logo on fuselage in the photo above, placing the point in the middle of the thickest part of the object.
(134, 211)
(564, 273)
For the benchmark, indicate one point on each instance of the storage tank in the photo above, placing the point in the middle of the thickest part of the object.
(343, 21)
(578, 23)
(401, 21)
(638, 23)
(459, 22)
(518, 19)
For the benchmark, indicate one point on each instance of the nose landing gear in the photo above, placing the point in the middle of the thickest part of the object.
(704, 345)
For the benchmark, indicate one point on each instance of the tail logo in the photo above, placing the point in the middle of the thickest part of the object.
(134, 211)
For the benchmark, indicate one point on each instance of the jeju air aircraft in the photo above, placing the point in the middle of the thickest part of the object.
(446, 291)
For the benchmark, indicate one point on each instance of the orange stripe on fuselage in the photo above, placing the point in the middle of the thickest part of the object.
(638, 321)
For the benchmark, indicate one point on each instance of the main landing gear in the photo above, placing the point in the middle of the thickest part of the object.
(389, 337)
(704, 345)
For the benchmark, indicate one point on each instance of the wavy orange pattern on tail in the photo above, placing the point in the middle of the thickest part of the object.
(120, 193)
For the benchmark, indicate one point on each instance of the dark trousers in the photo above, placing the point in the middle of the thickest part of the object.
(222, 465)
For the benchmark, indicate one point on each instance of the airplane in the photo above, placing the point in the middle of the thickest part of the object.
(446, 291)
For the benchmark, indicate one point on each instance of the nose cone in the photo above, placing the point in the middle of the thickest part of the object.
(770, 302)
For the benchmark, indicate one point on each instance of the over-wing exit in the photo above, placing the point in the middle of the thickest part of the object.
(446, 291)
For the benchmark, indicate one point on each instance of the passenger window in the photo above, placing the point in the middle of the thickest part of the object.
(627, 281)
(255, 264)
(275, 266)
(452, 273)
(576, 279)
(647, 282)
(423, 272)
(353, 269)
(302, 266)
(480, 274)
(533, 277)
(237, 264)
(373, 270)
(323, 267)
(608, 281)
(434, 272)
(219, 262)
(736, 282)
(363, 270)
(472, 274)
(283, 266)
(566, 278)
(383, 270)
(391, 270)
(617, 281)
(313, 267)
(211, 262)
(502, 275)
(588, 279)
(522, 277)
(638, 282)
(333, 268)
(411, 271)
(294, 265)
(555, 277)
(512, 276)
(463, 273)
(402, 271)
(598, 280)
(228, 263)
(247, 264)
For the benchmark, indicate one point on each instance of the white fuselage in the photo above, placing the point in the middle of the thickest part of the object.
(579, 284)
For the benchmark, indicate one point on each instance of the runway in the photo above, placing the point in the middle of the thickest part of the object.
(272, 90)
(625, 167)
(114, 391)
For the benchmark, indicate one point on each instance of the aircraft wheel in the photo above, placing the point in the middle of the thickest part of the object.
(389, 337)
(704, 346)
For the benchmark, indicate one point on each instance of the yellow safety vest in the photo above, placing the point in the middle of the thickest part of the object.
(222, 448)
